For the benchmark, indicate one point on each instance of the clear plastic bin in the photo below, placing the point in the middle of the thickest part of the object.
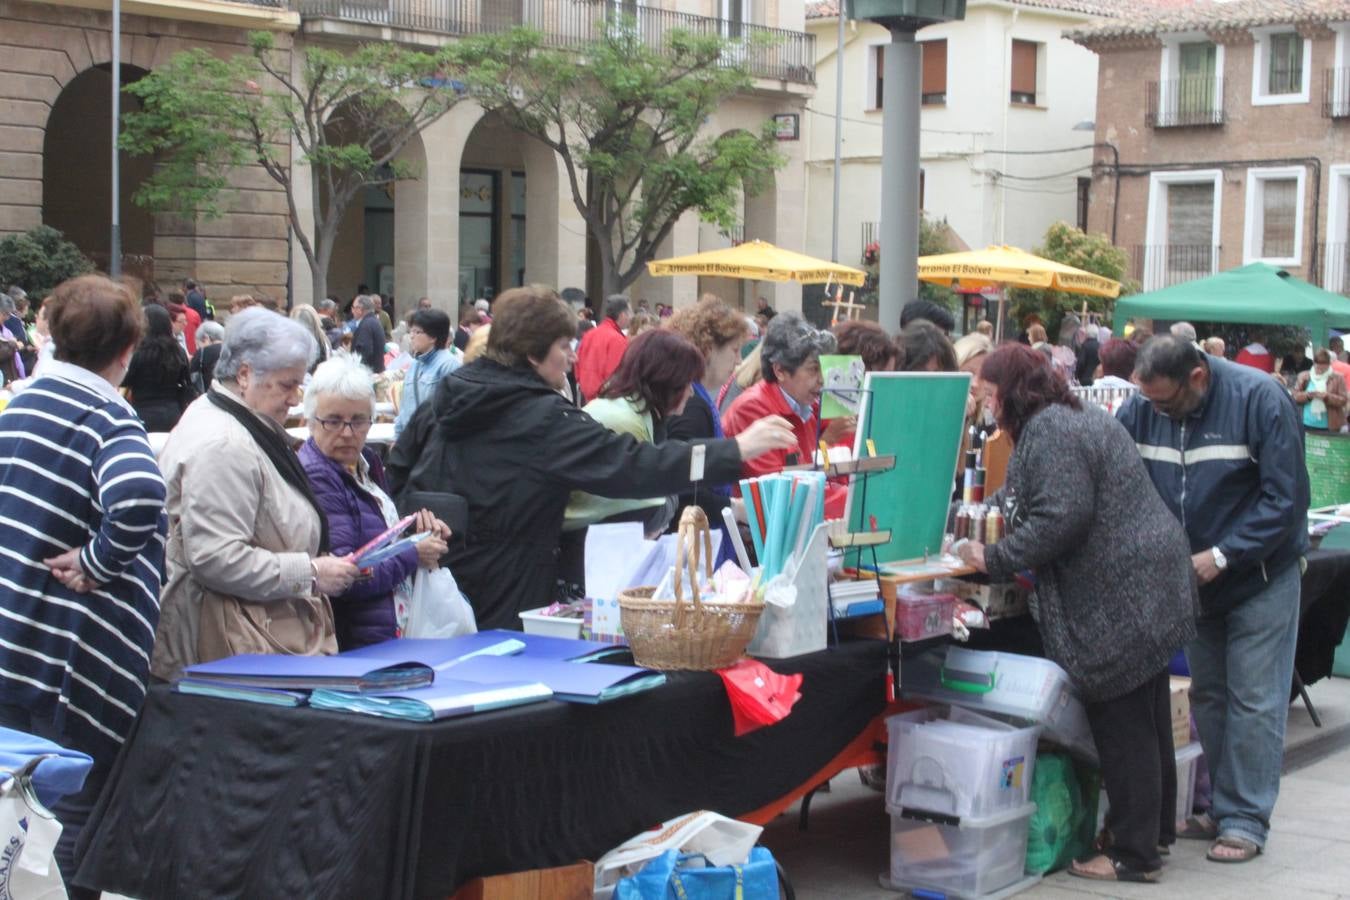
(1025, 688)
(958, 763)
(974, 858)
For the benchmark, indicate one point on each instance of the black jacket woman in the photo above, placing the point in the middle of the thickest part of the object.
(157, 383)
(1115, 591)
(499, 434)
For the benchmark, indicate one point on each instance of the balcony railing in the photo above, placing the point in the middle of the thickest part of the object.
(1336, 94)
(871, 233)
(1184, 102)
(1162, 265)
(766, 52)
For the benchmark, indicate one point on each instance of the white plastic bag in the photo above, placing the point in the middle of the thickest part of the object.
(436, 608)
(28, 835)
(726, 842)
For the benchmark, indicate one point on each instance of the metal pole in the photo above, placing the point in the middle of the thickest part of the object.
(900, 177)
(838, 131)
(115, 237)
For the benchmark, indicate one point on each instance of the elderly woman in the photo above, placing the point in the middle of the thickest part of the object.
(84, 546)
(499, 433)
(202, 367)
(428, 335)
(1321, 393)
(790, 389)
(717, 332)
(249, 557)
(348, 480)
(1116, 595)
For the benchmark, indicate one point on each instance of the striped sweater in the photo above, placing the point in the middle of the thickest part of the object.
(76, 470)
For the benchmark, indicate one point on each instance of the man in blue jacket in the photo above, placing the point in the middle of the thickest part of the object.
(1223, 445)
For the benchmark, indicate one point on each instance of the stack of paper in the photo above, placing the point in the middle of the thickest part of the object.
(855, 598)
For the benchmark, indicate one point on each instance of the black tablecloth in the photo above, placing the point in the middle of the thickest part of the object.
(216, 798)
(1325, 603)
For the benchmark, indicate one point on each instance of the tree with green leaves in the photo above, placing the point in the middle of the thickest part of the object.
(627, 122)
(1090, 252)
(350, 113)
(933, 240)
(38, 260)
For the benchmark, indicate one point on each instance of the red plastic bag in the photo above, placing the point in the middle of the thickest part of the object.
(759, 696)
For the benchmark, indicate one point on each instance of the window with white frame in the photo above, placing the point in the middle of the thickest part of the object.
(1281, 66)
(1336, 257)
(876, 75)
(1336, 101)
(1182, 230)
(1190, 90)
(1274, 216)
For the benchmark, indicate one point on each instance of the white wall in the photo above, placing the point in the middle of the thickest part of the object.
(958, 140)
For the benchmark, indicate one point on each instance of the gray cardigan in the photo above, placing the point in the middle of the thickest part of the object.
(1116, 593)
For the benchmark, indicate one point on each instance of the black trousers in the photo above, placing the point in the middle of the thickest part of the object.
(1133, 733)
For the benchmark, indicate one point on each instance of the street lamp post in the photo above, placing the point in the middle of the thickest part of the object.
(115, 231)
(902, 77)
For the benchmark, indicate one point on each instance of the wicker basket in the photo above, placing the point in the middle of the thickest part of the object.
(678, 634)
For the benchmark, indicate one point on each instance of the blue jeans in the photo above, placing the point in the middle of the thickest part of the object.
(1242, 665)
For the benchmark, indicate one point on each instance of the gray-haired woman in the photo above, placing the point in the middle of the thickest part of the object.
(790, 364)
(248, 556)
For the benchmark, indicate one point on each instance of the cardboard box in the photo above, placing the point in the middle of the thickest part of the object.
(999, 600)
(574, 882)
(1181, 711)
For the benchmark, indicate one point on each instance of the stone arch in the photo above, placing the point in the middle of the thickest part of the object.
(77, 169)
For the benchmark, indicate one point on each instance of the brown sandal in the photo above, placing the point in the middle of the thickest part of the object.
(1247, 850)
(1114, 870)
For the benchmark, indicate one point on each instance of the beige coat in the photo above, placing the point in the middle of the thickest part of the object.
(240, 544)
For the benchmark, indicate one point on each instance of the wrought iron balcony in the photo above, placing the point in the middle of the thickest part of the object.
(1184, 102)
(1162, 265)
(1333, 267)
(1336, 94)
(766, 52)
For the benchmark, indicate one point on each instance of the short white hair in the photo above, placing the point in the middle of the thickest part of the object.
(265, 342)
(1183, 330)
(210, 331)
(342, 376)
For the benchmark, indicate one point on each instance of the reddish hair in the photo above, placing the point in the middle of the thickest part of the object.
(869, 340)
(657, 368)
(1118, 358)
(1026, 384)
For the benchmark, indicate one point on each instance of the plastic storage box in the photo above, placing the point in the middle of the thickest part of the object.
(919, 616)
(1025, 688)
(975, 858)
(535, 622)
(959, 765)
(1188, 768)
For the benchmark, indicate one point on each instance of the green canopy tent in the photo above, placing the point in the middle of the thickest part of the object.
(1254, 294)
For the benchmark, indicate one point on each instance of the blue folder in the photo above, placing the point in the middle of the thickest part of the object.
(542, 646)
(440, 653)
(575, 682)
(445, 698)
(223, 690)
(311, 672)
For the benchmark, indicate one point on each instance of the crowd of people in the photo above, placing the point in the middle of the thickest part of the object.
(523, 429)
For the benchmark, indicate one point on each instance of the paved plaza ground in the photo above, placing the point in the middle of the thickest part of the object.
(1307, 858)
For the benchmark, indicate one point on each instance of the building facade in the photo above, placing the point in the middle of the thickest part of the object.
(56, 138)
(1002, 92)
(491, 208)
(1231, 125)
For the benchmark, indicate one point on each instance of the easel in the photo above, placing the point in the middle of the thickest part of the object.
(852, 311)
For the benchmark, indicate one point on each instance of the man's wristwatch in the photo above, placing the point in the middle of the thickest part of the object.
(1220, 561)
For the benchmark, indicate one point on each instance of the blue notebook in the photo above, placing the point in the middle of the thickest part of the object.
(301, 673)
(227, 691)
(575, 682)
(445, 698)
(542, 646)
(440, 653)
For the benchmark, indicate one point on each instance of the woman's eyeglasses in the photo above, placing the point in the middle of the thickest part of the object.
(335, 426)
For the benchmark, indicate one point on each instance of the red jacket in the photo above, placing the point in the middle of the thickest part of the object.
(766, 399)
(598, 357)
(194, 321)
(1257, 360)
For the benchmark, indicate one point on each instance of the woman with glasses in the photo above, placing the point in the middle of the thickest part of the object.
(348, 480)
(250, 561)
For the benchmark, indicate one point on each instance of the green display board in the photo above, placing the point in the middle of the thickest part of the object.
(918, 417)
(1328, 458)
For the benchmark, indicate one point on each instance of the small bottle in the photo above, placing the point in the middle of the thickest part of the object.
(977, 523)
(993, 526)
(962, 526)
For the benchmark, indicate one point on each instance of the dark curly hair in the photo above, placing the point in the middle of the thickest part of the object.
(1026, 384)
